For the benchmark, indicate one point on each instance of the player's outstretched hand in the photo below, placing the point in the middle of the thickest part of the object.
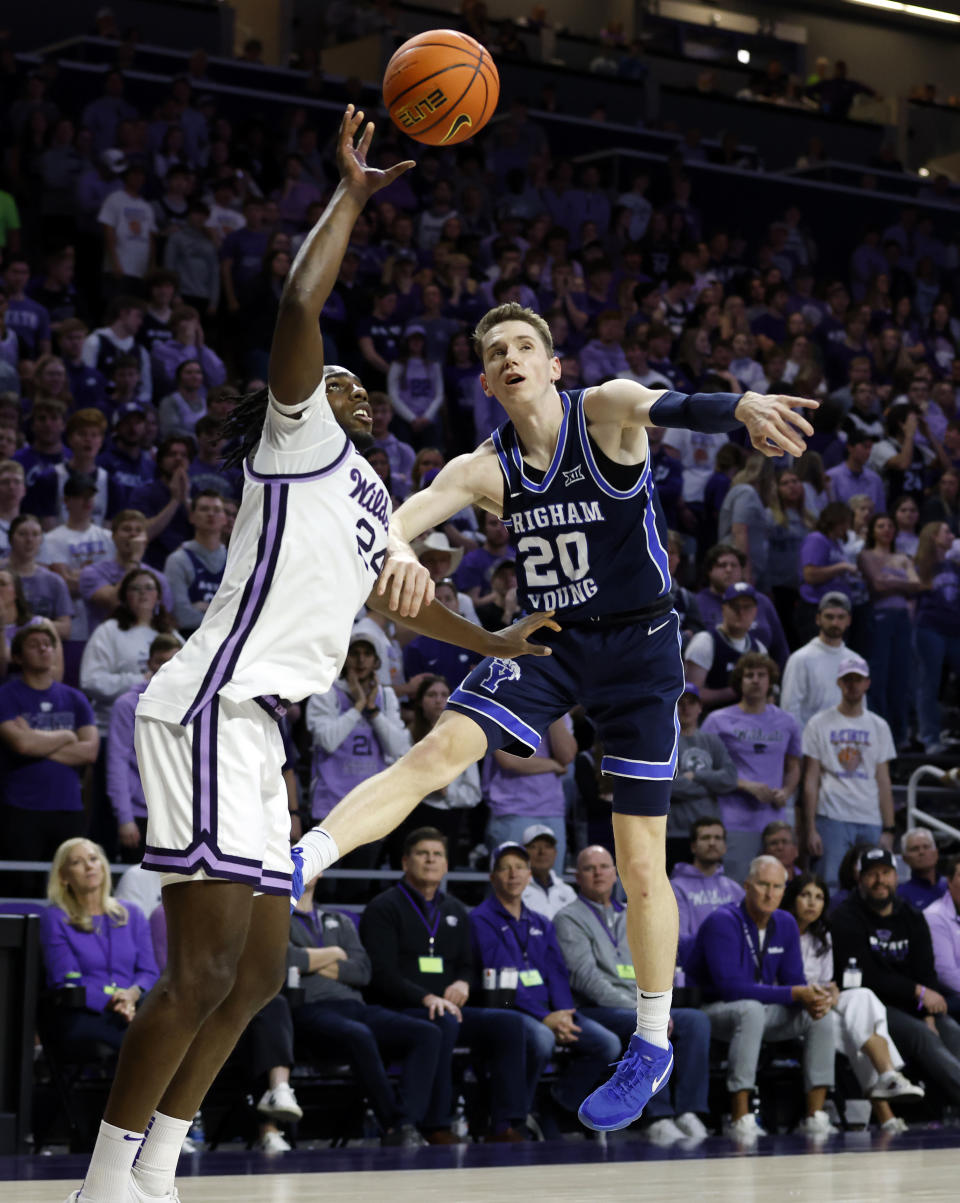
(362, 181)
(773, 426)
(513, 641)
(409, 583)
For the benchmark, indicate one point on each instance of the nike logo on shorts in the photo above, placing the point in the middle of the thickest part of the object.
(653, 630)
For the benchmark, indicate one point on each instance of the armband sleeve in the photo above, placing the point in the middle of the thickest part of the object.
(707, 413)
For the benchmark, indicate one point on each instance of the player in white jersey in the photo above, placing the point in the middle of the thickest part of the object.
(308, 545)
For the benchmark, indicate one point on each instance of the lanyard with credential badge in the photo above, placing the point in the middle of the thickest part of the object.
(757, 957)
(429, 963)
(624, 971)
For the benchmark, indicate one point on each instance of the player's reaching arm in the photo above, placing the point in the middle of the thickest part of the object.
(771, 421)
(472, 479)
(296, 356)
(435, 620)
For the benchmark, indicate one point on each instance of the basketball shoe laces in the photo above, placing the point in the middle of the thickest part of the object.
(631, 1069)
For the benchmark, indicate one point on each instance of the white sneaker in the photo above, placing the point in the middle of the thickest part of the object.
(895, 1125)
(895, 1085)
(818, 1124)
(745, 1129)
(272, 1142)
(189, 1145)
(691, 1125)
(663, 1132)
(280, 1105)
(136, 1195)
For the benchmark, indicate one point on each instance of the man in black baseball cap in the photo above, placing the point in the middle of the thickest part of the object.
(890, 943)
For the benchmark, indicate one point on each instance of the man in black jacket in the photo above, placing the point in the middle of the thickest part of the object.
(418, 939)
(890, 942)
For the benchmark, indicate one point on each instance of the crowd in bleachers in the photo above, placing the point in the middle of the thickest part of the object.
(143, 256)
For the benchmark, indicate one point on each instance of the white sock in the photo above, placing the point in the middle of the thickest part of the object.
(155, 1167)
(653, 1015)
(109, 1171)
(319, 851)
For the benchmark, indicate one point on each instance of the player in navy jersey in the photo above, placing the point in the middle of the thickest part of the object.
(569, 473)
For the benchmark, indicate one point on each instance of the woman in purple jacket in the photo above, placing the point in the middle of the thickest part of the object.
(89, 939)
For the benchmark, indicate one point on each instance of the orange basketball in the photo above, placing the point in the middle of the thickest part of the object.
(441, 87)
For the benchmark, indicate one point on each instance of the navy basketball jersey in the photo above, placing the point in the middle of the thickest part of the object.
(585, 547)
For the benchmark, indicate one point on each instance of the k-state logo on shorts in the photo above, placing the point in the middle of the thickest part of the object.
(500, 671)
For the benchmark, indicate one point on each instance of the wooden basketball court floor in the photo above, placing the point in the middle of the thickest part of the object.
(921, 1167)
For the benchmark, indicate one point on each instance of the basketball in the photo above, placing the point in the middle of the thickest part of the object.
(441, 87)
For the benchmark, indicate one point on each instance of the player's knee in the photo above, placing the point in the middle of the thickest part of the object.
(439, 757)
(641, 870)
(198, 989)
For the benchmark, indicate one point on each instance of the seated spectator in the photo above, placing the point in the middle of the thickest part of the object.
(936, 629)
(723, 566)
(99, 583)
(12, 491)
(70, 548)
(127, 465)
(117, 652)
(779, 839)
(764, 743)
(445, 809)
(195, 569)
(164, 501)
(592, 934)
(418, 940)
(46, 592)
(943, 919)
(546, 893)
(602, 357)
(188, 342)
(864, 1037)
(440, 558)
(15, 612)
(424, 654)
(846, 783)
(92, 941)
(473, 573)
(48, 731)
(356, 730)
(704, 772)
(748, 963)
(84, 439)
(507, 935)
(701, 886)
(889, 941)
(919, 849)
(334, 967)
(104, 346)
(123, 773)
(180, 410)
(502, 606)
(711, 655)
(810, 676)
(524, 789)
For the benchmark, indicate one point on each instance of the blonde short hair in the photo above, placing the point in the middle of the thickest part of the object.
(512, 312)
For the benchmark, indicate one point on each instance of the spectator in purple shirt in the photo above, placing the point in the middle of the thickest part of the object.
(46, 592)
(47, 731)
(125, 460)
(853, 476)
(123, 774)
(603, 357)
(825, 566)
(747, 961)
(296, 194)
(46, 449)
(91, 940)
(99, 583)
(943, 919)
(473, 574)
(702, 886)
(241, 255)
(764, 743)
(770, 327)
(187, 343)
(919, 850)
(28, 320)
(164, 501)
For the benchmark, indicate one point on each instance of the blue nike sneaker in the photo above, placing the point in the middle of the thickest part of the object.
(644, 1069)
(296, 883)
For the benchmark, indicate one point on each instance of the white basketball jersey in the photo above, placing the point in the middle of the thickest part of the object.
(308, 544)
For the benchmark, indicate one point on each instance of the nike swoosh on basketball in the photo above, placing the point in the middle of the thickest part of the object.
(653, 630)
(658, 1082)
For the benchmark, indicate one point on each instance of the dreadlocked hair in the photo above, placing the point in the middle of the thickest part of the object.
(243, 427)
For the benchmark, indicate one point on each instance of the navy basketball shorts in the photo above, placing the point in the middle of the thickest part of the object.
(627, 678)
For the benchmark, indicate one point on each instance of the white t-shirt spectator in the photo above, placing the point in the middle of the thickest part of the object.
(701, 649)
(697, 453)
(133, 221)
(76, 549)
(849, 751)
